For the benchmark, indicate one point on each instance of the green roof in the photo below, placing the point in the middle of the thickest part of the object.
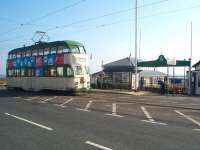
(42, 45)
(162, 62)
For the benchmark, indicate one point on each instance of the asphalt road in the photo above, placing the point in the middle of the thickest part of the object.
(55, 121)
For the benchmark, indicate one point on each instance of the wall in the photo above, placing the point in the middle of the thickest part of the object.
(197, 84)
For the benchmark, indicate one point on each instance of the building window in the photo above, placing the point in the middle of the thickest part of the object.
(60, 71)
(118, 77)
(199, 81)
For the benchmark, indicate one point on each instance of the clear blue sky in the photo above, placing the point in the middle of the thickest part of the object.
(109, 38)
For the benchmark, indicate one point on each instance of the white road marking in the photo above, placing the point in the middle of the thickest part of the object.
(86, 107)
(97, 145)
(32, 98)
(48, 99)
(114, 111)
(30, 122)
(196, 129)
(149, 117)
(147, 114)
(17, 97)
(66, 102)
(154, 122)
(188, 117)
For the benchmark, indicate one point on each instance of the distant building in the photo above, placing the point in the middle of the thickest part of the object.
(120, 74)
(196, 79)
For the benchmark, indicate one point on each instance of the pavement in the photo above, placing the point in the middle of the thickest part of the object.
(98, 121)
(122, 91)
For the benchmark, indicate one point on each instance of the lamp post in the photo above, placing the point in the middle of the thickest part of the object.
(190, 67)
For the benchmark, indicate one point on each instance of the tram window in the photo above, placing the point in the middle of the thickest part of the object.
(69, 72)
(34, 52)
(66, 50)
(74, 49)
(60, 71)
(18, 72)
(13, 56)
(10, 56)
(18, 54)
(13, 73)
(53, 72)
(40, 52)
(31, 73)
(10, 73)
(82, 50)
(78, 70)
(46, 72)
(46, 51)
(59, 50)
(87, 70)
(28, 53)
(22, 72)
(23, 53)
(53, 51)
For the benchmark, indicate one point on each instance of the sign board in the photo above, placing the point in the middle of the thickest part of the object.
(51, 59)
(39, 72)
(10, 64)
(59, 59)
(39, 61)
(171, 62)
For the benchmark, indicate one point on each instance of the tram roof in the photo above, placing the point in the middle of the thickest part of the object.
(47, 44)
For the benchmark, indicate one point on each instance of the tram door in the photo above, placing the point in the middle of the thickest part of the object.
(30, 73)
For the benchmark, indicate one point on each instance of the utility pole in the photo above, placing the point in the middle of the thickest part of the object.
(190, 67)
(136, 67)
(140, 43)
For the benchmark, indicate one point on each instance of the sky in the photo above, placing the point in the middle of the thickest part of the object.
(107, 36)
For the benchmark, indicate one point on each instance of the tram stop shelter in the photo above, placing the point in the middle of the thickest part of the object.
(163, 62)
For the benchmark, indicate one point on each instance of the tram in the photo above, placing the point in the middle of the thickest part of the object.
(58, 65)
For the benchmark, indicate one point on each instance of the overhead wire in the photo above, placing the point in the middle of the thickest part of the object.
(144, 17)
(40, 18)
(106, 15)
(56, 11)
